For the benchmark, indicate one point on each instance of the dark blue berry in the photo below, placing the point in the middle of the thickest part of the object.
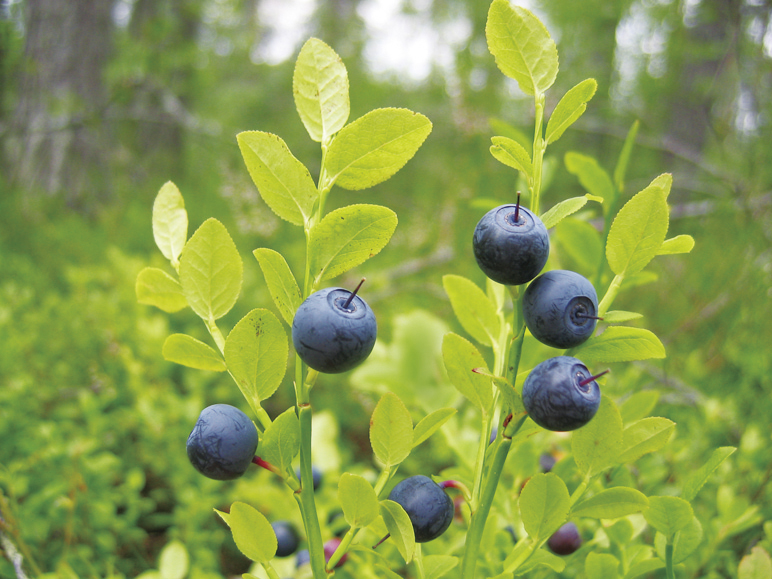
(565, 540)
(287, 538)
(427, 504)
(222, 444)
(302, 558)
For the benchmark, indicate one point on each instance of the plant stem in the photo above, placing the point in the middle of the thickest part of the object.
(270, 571)
(538, 151)
(341, 550)
(419, 561)
(611, 294)
(669, 571)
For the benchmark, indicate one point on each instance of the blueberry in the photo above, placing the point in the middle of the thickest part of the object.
(511, 251)
(286, 537)
(333, 333)
(427, 504)
(316, 473)
(302, 558)
(561, 394)
(565, 540)
(546, 462)
(222, 444)
(560, 308)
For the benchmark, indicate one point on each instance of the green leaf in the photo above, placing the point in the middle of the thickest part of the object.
(619, 316)
(601, 566)
(460, 358)
(187, 351)
(677, 244)
(391, 430)
(170, 222)
(592, 177)
(599, 442)
(281, 283)
(755, 565)
(256, 352)
(580, 244)
(541, 558)
(521, 46)
(511, 395)
(544, 505)
(157, 288)
(320, 86)
(645, 436)
(684, 544)
(569, 109)
(385, 572)
(435, 566)
(430, 424)
(561, 210)
(347, 237)
(283, 182)
(280, 443)
(611, 504)
(512, 154)
(645, 567)
(668, 515)
(619, 344)
(357, 499)
(374, 147)
(624, 157)
(701, 476)
(400, 528)
(211, 271)
(638, 405)
(252, 532)
(173, 561)
(664, 182)
(638, 231)
(473, 308)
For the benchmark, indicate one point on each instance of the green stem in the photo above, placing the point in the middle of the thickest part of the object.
(419, 561)
(669, 571)
(538, 151)
(611, 294)
(579, 491)
(342, 549)
(270, 571)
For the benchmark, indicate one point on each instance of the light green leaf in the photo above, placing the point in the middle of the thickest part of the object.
(347, 237)
(668, 515)
(619, 316)
(435, 566)
(645, 567)
(281, 283)
(385, 572)
(701, 476)
(256, 352)
(601, 566)
(252, 532)
(320, 86)
(511, 395)
(638, 405)
(677, 244)
(173, 561)
(684, 544)
(599, 442)
(430, 424)
(473, 308)
(187, 351)
(357, 499)
(645, 436)
(541, 558)
(755, 565)
(664, 182)
(592, 177)
(372, 148)
(400, 528)
(157, 288)
(521, 46)
(561, 210)
(283, 182)
(611, 504)
(280, 443)
(512, 154)
(579, 245)
(391, 430)
(460, 358)
(211, 271)
(569, 109)
(544, 505)
(170, 222)
(619, 344)
(624, 156)
(638, 231)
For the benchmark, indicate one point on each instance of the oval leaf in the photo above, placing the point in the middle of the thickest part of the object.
(591, 176)
(187, 351)
(512, 154)
(522, 47)
(170, 222)
(256, 352)
(645, 436)
(601, 566)
(668, 515)
(599, 442)
(400, 528)
(460, 358)
(252, 532)
(684, 544)
(677, 244)
(619, 316)
(700, 477)
(620, 344)
(173, 561)
(280, 443)
(157, 288)
(211, 271)
(611, 504)
(375, 146)
(639, 405)
(281, 283)
(756, 565)
(569, 109)
(283, 182)
(430, 424)
(391, 430)
(561, 210)
(435, 566)
(320, 86)
(544, 505)
(347, 237)
(357, 499)
(474, 310)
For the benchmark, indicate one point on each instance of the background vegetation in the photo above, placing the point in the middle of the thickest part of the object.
(102, 101)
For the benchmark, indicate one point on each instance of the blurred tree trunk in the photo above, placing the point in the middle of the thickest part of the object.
(60, 142)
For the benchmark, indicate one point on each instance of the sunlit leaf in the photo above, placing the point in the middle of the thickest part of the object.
(281, 283)
(252, 532)
(569, 109)
(668, 515)
(460, 358)
(544, 505)
(391, 430)
(599, 442)
(157, 288)
(474, 310)
(619, 344)
(170, 222)
(357, 499)
(280, 443)
(187, 351)
(512, 154)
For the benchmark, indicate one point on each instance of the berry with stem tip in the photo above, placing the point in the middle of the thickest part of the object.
(565, 540)
(511, 244)
(428, 506)
(334, 330)
(560, 308)
(223, 441)
(287, 538)
(560, 394)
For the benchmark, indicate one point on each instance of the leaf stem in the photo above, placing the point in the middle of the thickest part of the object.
(669, 571)
(611, 294)
(342, 549)
(539, 147)
(270, 571)
(419, 561)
